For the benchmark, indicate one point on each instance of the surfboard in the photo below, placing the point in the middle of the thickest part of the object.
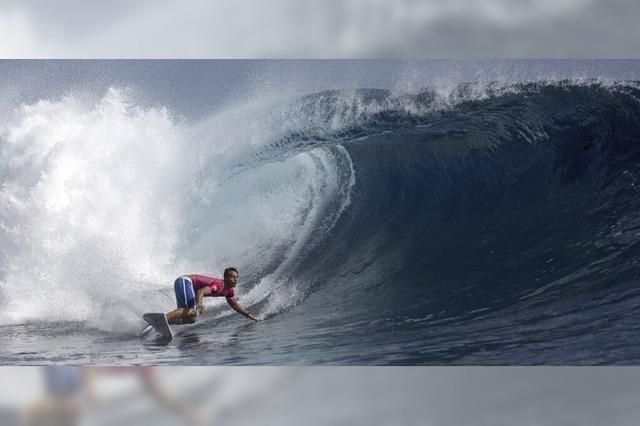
(158, 321)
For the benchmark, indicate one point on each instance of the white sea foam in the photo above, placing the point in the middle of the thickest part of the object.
(103, 204)
(88, 205)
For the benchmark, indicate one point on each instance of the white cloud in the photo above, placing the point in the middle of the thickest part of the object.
(321, 28)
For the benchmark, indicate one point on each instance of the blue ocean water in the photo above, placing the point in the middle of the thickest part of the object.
(494, 224)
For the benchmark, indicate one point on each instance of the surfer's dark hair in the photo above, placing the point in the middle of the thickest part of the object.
(229, 269)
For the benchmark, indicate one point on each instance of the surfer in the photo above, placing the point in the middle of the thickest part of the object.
(191, 289)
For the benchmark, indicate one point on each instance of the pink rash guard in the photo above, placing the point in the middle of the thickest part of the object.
(216, 285)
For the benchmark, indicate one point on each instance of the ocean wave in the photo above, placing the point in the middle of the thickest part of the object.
(482, 222)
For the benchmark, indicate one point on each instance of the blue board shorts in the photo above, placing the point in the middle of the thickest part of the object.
(185, 294)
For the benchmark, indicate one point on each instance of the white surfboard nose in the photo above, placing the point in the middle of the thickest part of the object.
(158, 321)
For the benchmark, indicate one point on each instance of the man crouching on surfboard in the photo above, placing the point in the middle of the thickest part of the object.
(191, 289)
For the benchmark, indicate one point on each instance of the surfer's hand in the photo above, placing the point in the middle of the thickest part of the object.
(201, 309)
(256, 319)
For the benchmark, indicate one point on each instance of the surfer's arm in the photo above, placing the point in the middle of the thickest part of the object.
(239, 309)
(204, 291)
